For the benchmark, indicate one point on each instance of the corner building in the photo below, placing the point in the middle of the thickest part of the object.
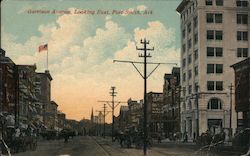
(214, 35)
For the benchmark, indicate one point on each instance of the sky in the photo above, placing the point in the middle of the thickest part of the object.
(84, 37)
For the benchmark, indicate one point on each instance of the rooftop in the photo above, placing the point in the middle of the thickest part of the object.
(182, 5)
(245, 62)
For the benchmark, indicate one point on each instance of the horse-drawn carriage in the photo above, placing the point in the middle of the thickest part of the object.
(207, 139)
(20, 142)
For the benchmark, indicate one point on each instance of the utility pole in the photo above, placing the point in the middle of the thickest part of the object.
(145, 56)
(104, 115)
(113, 94)
(231, 92)
(112, 106)
(144, 76)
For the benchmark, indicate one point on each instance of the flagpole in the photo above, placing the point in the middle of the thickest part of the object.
(47, 58)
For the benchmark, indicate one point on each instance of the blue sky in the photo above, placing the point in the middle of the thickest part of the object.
(82, 47)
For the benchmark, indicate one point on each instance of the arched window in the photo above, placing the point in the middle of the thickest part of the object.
(214, 103)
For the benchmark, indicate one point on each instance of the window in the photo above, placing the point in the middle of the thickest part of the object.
(184, 48)
(184, 77)
(184, 62)
(219, 68)
(242, 19)
(210, 34)
(219, 2)
(219, 85)
(218, 35)
(218, 18)
(195, 21)
(218, 52)
(183, 33)
(189, 74)
(242, 52)
(196, 54)
(210, 68)
(209, 2)
(189, 27)
(184, 91)
(242, 35)
(214, 68)
(210, 51)
(196, 70)
(214, 18)
(210, 85)
(210, 18)
(189, 89)
(214, 103)
(214, 51)
(242, 3)
(195, 38)
(215, 85)
(189, 43)
(196, 87)
(189, 58)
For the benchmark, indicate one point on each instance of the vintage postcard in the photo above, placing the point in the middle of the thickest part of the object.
(124, 77)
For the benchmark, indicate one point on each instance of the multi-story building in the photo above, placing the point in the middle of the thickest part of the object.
(242, 91)
(26, 95)
(8, 90)
(61, 120)
(53, 115)
(155, 113)
(135, 113)
(171, 102)
(214, 36)
(123, 118)
(43, 92)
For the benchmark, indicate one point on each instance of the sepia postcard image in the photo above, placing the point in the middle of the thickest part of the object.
(125, 77)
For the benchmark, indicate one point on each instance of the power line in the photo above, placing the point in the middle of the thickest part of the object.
(112, 106)
(145, 55)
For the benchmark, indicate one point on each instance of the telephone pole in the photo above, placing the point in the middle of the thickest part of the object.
(145, 55)
(231, 92)
(113, 94)
(104, 115)
(112, 106)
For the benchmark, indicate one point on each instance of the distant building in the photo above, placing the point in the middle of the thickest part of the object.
(214, 35)
(134, 114)
(100, 118)
(43, 92)
(155, 113)
(52, 116)
(242, 91)
(123, 118)
(8, 88)
(61, 117)
(171, 102)
(26, 95)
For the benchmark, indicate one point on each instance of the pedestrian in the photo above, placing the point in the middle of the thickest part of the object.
(185, 137)
(159, 138)
(66, 137)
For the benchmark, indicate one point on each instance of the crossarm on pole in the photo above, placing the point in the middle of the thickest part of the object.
(153, 70)
(137, 69)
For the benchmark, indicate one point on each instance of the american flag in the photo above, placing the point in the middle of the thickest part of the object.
(43, 47)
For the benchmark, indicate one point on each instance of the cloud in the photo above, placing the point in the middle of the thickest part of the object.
(81, 59)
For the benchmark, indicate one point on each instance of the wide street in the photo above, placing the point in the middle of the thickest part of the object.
(97, 146)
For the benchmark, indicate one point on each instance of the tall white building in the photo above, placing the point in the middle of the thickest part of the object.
(215, 35)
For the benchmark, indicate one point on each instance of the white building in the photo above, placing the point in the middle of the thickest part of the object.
(214, 36)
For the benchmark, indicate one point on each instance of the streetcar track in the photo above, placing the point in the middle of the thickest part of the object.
(100, 145)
